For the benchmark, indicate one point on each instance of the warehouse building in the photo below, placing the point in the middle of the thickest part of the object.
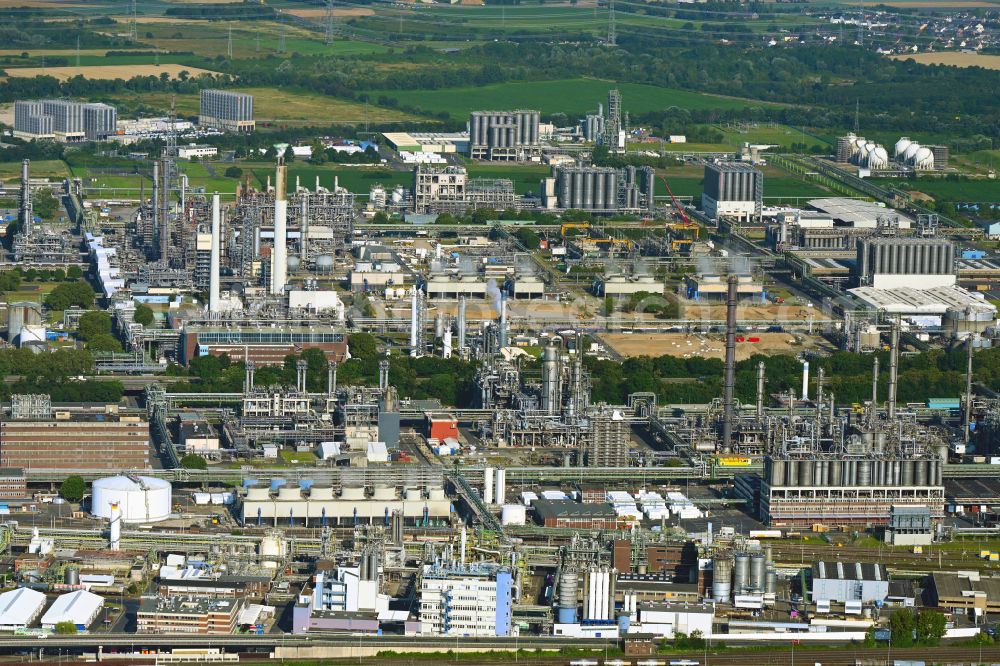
(226, 110)
(567, 513)
(733, 190)
(964, 592)
(100, 441)
(507, 136)
(20, 608)
(187, 615)
(79, 607)
(849, 581)
(263, 345)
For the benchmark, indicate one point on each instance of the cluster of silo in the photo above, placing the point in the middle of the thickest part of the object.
(853, 472)
(743, 573)
(905, 256)
(569, 584)
(587, 188)
(863, 153)
(593, 127)
(503, 129)
(960, 322)
(913, 154)
(638, 190)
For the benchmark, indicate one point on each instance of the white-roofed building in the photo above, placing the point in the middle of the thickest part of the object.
(79, 607)
(20, 608)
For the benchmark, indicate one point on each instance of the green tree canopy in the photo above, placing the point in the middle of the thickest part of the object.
(194, 461)
(73, 488)
(93, 324)
(143, 315)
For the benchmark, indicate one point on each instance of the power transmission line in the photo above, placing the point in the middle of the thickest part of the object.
(329, 21)
(229, 44)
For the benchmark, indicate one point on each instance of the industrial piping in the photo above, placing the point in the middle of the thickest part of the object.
(730, 379)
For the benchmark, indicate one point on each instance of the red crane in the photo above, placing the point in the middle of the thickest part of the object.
(677, 204)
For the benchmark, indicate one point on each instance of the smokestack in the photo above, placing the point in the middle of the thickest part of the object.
(805, 380)
(893, 369)
(730, 367)
(875, 386)
(461, 322)
(414, 321)
(279, 258)
(115, 531)
(760, 390)
(303, 225)
(968, 391)
(214, 277)
(27, 211)
(503, 320)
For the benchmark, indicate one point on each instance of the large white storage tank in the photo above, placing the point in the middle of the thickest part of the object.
(911, 150)
(901, 146)
(142, 499)
(924, 159)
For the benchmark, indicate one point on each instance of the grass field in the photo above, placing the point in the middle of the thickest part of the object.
(954, 58)
(981, 191)
(106, 71)
(283, 107)
(39, 169)
(571, 96)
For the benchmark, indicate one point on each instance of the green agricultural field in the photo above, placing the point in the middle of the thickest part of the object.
(778, 135)
(39, 169)
(571, 96)
(357, 179)
(282, 107)
(941, 189)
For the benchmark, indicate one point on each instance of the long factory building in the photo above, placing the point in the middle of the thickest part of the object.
(320, 505)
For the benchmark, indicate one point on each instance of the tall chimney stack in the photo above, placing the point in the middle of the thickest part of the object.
(279, 258)
(213, 284)
(730, 367)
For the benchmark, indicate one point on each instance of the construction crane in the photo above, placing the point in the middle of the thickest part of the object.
(573, 225)
(677, 204)
(680, 243)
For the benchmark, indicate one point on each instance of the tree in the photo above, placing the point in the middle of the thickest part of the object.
(143, 315)
(71, 293)
(289, 154)
(93, 324)
(931, 627)
(380, 218)
(363, 346)
(194, 461)
(528, 238)
(65, 628)
(104, 342)
(233, 172)
(73, 488)
(74, 273)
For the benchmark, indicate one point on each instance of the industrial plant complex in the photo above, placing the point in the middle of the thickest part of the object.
(465, 411)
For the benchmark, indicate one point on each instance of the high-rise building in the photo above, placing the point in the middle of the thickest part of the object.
(99, 121)
(226, 110)
(733, 189)
(64, 120)
(473, 600)
(507, 136)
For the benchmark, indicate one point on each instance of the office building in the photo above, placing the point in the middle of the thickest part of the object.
(226, 110)
(187, 615)
(508, 136)
(733, 190)
(113, 442)
(264, 345)
(13, 485)
(99, 121)
(963, 592)
(473, 600)
(850, 581)
(567, 513)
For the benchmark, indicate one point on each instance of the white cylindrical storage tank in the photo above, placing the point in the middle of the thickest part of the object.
(901, 146)
(352, 493)
(488, 485)
(116, 527)
(436, 494)
(321, 492)
(141, 499)
(924, 159)
(513, 514)
(384, 493)
(500, 487)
